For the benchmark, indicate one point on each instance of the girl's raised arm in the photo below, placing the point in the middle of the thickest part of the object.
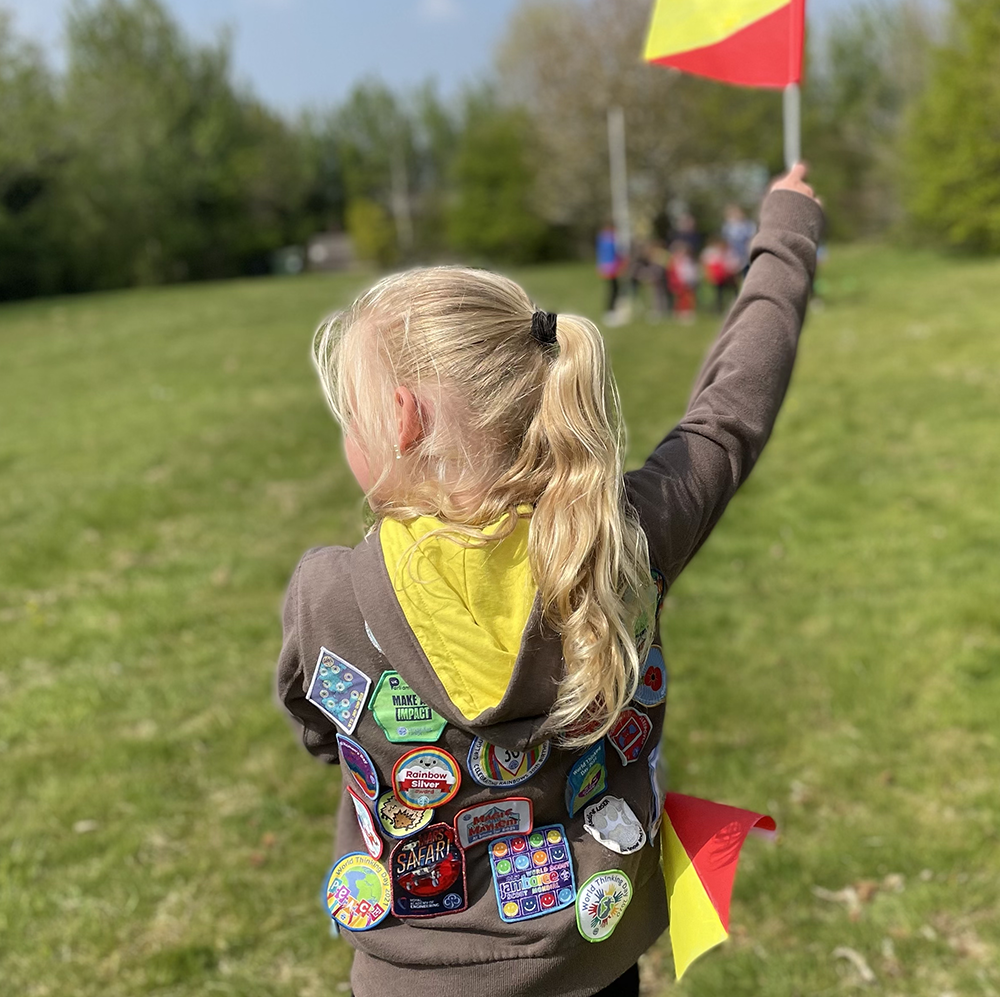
(685, 485)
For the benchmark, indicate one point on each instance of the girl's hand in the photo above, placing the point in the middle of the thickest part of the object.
(794, 179)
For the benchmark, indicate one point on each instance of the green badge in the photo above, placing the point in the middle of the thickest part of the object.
(402, 714)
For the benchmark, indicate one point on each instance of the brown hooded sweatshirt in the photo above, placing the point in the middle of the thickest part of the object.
(461, 629)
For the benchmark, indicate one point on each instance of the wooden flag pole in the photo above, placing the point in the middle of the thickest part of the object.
(793, 125)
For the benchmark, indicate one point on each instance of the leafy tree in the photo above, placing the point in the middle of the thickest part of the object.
(371, 231)
(178, 175)
(954, 138)
(492, 213)
(30, 154)
(865, 72)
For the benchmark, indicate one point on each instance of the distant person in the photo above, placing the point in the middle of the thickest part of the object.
(687, 233)
(682, 281)
(610, 264)
(738, 232)
(721, 266)
(485, 664)
(647, 269)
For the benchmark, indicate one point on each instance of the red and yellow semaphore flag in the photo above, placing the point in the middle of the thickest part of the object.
(701, 843)
(751, 43)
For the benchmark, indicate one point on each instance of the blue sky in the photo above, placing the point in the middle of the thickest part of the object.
(299, 53)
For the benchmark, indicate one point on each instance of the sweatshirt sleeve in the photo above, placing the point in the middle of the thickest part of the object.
(319, 735)
(685, 485)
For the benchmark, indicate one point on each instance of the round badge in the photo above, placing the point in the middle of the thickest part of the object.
(397, 819)
(601, 903)
(491, 765)
(366, 824)
(355, 759)
(426, 777)
(358, 892)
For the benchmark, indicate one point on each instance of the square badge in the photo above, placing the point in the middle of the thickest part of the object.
(338, 690)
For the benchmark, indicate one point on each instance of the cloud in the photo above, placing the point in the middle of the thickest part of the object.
(439, 10)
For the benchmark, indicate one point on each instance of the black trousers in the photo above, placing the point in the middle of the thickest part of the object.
(627, 985)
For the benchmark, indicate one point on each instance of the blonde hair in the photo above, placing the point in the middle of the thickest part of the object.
(507, 421)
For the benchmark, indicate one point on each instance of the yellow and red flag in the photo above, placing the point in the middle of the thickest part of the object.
(701, 843)
(752, 43)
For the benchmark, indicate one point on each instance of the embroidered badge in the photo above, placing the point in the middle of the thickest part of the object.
(493, 820)
(358, 892)
(601, 904)
(587, 779)
(402, 714)
(532, 874)
(338, 690)
(630, 733)
(654, 783)
(652, 688)
(491, 765)
(612, 822)
(426, 777)
(355, 759)
(661, 589)
(371, 637)
(398, 820)
(428, 874)
(366, 824)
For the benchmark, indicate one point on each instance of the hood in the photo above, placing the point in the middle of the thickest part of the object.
(462, 625)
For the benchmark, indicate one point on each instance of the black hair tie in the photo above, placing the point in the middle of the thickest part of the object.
(543, 327)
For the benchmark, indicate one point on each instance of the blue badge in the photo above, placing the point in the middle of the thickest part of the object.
(652, 687)
(587, 778)
(338, 690)
(654, 785)
(371, 637)
(357, 761)
(532, 873)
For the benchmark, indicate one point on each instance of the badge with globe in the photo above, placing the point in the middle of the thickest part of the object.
(358, 892)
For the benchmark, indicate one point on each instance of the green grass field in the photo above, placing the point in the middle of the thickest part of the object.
(834, 650)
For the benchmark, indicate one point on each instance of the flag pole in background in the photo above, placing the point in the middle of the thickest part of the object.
(750, 43)
(793, 124)
(619, 180)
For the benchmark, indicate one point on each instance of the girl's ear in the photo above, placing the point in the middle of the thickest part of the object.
(408, 421)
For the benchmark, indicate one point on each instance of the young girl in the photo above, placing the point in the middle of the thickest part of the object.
(486, 663)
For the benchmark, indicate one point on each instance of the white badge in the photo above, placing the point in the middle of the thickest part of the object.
(612, 822)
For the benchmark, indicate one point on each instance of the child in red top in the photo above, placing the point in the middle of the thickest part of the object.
(682, 280)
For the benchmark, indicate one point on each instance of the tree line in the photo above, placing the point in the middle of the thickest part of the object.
(142, 161)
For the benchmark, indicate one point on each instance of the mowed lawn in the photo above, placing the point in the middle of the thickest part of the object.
(834, 649)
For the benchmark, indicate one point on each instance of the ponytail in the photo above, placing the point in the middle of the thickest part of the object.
(587, 552)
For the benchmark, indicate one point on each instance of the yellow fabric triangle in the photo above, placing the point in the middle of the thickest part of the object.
(682, 25)
(694, 923)
(467, 606)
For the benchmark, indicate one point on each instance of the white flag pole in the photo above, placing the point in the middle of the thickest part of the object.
(793, 125)
(619, 180)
